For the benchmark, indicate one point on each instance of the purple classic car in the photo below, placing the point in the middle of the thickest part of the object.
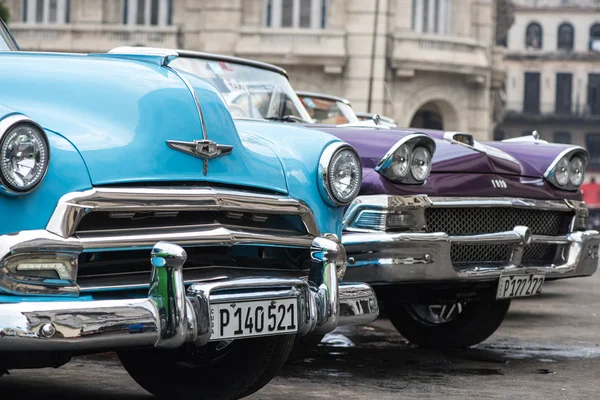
(447, 229)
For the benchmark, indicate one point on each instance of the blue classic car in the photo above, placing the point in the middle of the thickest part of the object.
(110, 163)
(448, 230)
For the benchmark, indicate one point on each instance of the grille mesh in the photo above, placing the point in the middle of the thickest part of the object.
(472, 221)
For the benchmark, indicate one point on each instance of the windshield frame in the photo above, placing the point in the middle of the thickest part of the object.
(290, 93)
(7, 37)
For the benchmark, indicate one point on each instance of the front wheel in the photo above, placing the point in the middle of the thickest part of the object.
(454, 325)
(223, 370)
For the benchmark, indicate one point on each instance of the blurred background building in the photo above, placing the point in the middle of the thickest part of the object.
(553, 73)
(426, 63)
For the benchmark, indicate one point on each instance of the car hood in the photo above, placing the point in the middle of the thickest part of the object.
(119, 113)
(497, 157)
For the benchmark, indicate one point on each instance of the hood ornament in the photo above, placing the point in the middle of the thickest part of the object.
(204, 149)
(376, 119)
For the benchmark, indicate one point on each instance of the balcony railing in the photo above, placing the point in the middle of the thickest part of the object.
(557, 3)
(91, 38)
(548, 111)
(320, 47)
(464, 55)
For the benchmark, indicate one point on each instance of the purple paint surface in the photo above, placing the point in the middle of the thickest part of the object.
(458, 170)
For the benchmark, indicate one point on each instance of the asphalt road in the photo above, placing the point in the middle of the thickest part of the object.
(548, 348)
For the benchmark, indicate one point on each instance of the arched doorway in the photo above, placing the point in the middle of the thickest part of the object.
(429, 116)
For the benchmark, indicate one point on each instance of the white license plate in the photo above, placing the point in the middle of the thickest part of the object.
(253, 318)
(519, 286)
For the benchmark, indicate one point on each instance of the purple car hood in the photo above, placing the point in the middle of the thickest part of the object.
(499, 158)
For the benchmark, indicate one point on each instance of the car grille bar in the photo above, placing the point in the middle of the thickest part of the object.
(74, 207)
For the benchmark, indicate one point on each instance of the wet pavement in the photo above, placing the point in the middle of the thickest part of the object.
(547, 348)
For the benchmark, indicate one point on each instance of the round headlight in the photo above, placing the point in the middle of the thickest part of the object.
(421, 163)
(577, 173)
(24, 157)
(562, 172)
(344, 175)
(401, 161)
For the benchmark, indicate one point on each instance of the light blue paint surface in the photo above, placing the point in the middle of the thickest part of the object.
(108, 120)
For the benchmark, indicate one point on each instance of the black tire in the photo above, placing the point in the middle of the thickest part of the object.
(304, 347)
(190, 373)
(477, 321)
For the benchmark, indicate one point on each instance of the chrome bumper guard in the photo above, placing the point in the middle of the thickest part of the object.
(418, 257)
(171, 315)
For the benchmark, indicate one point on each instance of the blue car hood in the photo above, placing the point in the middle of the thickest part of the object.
(119, 114)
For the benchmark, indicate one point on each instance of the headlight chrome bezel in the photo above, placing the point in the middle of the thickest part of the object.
(324, 183)
(412, 142)
(568, 155)
(6, 126)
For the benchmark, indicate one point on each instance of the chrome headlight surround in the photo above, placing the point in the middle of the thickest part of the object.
(8, 127)
(330, 156)
(572, 162)
(389, 165)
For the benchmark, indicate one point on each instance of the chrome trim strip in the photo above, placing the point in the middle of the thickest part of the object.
(72, 207)
(447, 202)
(203, 235)
(196, 101)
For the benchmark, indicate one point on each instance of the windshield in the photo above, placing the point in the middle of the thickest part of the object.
(6, 41)
(250, 92)
(327, 111)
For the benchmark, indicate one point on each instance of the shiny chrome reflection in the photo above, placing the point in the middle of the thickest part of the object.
(73, 207)
(171, 316)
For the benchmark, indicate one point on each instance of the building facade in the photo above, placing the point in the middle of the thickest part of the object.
(426, 63)
(553, 74)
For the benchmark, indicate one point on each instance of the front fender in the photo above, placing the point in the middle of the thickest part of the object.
(66, 173)
(299, 150)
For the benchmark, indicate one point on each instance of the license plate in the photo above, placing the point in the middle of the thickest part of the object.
(519, 286)
(253, 318)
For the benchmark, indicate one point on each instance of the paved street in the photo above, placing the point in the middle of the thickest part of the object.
(548, 348)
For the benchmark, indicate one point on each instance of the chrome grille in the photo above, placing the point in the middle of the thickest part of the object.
(472, 221)
(224, 231)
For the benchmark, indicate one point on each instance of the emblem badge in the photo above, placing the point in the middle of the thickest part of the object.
(204, 149)
(499, 184)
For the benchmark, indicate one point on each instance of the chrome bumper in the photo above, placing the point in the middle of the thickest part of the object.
(416, 257)
(171, 315)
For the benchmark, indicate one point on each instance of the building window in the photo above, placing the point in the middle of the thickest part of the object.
(499, 134)
(147, 12)
(46, 11)
(566, 36)
(594, 94)
(431, 16)
(531, 98)
(564, 85)
(595, 37)
(592, 143)
(562, 137)
(296, 13)
(533, 36)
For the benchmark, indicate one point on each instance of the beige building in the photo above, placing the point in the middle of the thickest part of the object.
(426, 63)
(553, 73)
